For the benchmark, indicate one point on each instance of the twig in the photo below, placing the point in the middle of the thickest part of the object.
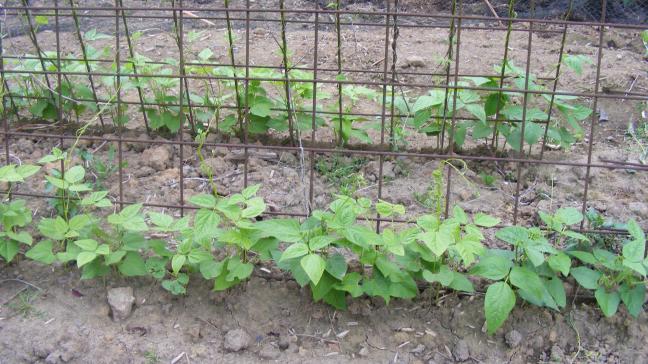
(318, 338)
(21, 281)
(492, 9)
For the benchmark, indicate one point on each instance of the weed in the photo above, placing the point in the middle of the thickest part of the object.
(151, 357)
(23, 304)
(343, 172)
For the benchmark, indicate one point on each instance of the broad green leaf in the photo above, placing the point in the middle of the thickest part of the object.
(461, 283)
(21, 237)
(444, 276)
(569, 215)
(8, 249)
(493, 267)
(87, 244)
(250, 191)
(460, 215)
(85, 257)
(560, 263)
(156, 267)
(528, 280)
(336, 266)
(557, 291)
(255, 207)
(53, 228)
(607, 301)
(211, 269)
(114, 257)
(74, 175)
(133, 265)
(469, 249)
(586, 277)
(206, 222)
(513, 235)
(584, 257)
(42, 252)
(177, 262)
(294, 251)
(286, 230)
(160, 220)
(203, 200)
(351, 283)
(484, 220)
(633, 298)
(238, 270)
(321, 241)
(635, 231)
(314, 267)
(499, 301)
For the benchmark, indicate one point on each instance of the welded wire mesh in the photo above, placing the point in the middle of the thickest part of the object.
(146, 64)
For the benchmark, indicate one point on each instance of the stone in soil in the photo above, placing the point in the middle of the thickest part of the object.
(121, 302)
(460, 351)
(269, 352)
(283, 343)
(237, 340)
(513, 338)
(156, 157)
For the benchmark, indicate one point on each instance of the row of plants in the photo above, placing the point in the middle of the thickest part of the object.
(284, 105)
(336, 252)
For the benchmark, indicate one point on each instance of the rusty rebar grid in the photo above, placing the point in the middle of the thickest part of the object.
(386, 79)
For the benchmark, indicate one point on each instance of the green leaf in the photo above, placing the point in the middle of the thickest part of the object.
(238, 270)
(527, 280)
(586, 277)
(444, 276)
(351, 283)
(499, 301)
(468, 249)
(42, 252)
(493, 267)
(633, 298)
(133, 265)
(177, 262)
(560, 263)
(459, 215)
(211, 269)
(114, 257)
(477, 110)
(461, 283)
(569, 215)
(156, 267)
(203, 200)
(635, 231)
(286, 230)
(336, 266)
(74, 174)
(174, 286)
(27, 170)
(607, 301)
(255, 207)
(584, 257)
(484, 220)
(161, 220)
(41, 19)
(21, 237)
(205, 54)
(294, 251)
(87, 244)
(557, 291)
(8, 249)
(53, 228)
(576, 61)
(314, 267)
(206, 222)
(85, 257)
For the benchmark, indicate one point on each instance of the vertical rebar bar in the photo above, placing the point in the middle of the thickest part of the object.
(246, 119)
(181, 92)
(448, 63)
(338, 32)
(525, 100)
(395, 33)
(597, 83)
(314, 112)
(453, 122)
(84, 54)
(230, 51)
(286, 67)
(383, 111)
(131, 53)
(561, 53)
(509, 27)
(120, 151)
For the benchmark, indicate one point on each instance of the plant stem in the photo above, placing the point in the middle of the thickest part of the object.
(511, 12)
(85, 58)
(183, 80)
(131, 52)
(448, 61)
(284, 54)
(339, 66)
(230, 51)
(34, 40)
(561, 53)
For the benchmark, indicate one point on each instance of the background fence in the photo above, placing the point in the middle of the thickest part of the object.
(384, 81)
